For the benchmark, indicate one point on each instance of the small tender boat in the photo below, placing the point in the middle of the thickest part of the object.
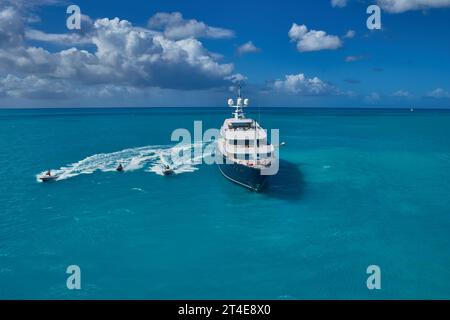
(167, 165)
(48, 177)
(166, 169)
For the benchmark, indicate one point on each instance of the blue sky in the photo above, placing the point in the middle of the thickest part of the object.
(191, 53)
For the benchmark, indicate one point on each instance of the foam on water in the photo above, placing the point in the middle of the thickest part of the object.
(182, 158)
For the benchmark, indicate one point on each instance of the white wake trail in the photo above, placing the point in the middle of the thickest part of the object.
(184, 158)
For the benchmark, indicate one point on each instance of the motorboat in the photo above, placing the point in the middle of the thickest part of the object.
(166, 170)
(48, 177)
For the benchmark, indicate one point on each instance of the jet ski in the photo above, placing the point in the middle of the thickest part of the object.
(48, 177)
(166, 169)
(120, 168)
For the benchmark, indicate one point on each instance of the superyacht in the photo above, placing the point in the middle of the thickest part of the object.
(242, 148)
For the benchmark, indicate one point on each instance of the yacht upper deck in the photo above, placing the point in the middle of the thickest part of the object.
(242, 129)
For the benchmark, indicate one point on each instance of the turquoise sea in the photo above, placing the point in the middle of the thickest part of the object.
(356, 187)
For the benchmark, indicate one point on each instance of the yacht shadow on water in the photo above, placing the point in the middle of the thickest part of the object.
(287, 184)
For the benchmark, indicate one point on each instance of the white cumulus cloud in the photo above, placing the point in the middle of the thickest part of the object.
(247, 47)
(33, 87)
(76, 37)
(353, 58)
(401, 94)
(119, 54)
(11, 27)
(399, 6)
(312, 40)
(373, 97)
(175, 27)
(301, 85)
(350, 34)
(338, 3)
(438, 93)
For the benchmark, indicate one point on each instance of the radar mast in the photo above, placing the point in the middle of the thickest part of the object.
(239, 106)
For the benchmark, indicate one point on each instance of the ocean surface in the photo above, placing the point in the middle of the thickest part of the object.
(355, 188)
